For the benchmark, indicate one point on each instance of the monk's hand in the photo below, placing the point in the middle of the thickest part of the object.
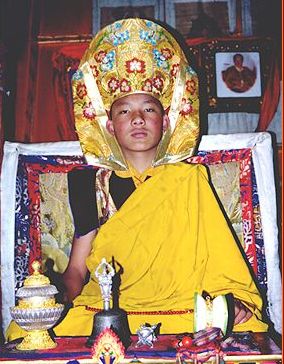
(242, 313)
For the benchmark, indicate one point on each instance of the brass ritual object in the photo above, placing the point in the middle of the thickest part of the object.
(36, 311)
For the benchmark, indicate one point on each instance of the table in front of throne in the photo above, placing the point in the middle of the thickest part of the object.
(71, 350)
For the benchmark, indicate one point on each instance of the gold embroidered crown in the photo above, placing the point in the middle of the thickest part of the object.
(135, 56)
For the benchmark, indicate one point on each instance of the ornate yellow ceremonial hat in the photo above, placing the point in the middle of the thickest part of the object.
(135, 56)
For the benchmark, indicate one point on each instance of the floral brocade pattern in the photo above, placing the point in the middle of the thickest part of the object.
(135, 56)
(31, 227)
(105, 205)
(56, 219)
(243, 210)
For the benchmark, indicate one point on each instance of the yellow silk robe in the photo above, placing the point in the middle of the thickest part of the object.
(172, 240)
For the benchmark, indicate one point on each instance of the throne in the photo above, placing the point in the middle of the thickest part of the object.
(36, 221)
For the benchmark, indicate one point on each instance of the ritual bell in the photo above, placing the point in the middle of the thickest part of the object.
(113, 318)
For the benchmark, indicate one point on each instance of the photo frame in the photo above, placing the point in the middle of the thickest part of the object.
(238, 74)
(226, 88)
(107, 11)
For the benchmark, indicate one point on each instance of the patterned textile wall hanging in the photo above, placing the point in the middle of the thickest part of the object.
(43, 222)
(232, 175)
(37, 223)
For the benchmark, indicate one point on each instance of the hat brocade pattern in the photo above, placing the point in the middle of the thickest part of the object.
(135, 56)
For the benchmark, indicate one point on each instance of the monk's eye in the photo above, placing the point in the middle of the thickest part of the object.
(125, 111)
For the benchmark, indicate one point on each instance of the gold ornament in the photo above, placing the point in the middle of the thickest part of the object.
(37, 311)
(36, 279)
(135, 56)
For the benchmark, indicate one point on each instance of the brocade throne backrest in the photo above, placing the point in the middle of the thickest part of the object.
(36, 221)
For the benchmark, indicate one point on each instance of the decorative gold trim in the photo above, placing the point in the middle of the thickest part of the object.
(36, 279)
(36, 340)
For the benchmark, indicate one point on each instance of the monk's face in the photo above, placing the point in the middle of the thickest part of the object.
(138, 122)
(238, 60)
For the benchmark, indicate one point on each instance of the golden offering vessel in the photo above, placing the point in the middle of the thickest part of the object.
(36, 311)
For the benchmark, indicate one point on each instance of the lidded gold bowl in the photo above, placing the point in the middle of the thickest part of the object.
(36, 311)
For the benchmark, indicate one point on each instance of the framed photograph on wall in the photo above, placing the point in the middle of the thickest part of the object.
(107, 11)
(235, 73)
(238, 74)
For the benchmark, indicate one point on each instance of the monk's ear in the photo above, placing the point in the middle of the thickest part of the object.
(166, 122)
(109, 126)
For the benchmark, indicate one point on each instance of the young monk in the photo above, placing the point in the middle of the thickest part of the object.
(138, 122)
(136, 110)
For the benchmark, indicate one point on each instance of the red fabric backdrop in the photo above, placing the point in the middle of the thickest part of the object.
(40, 114)
(43, 110)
